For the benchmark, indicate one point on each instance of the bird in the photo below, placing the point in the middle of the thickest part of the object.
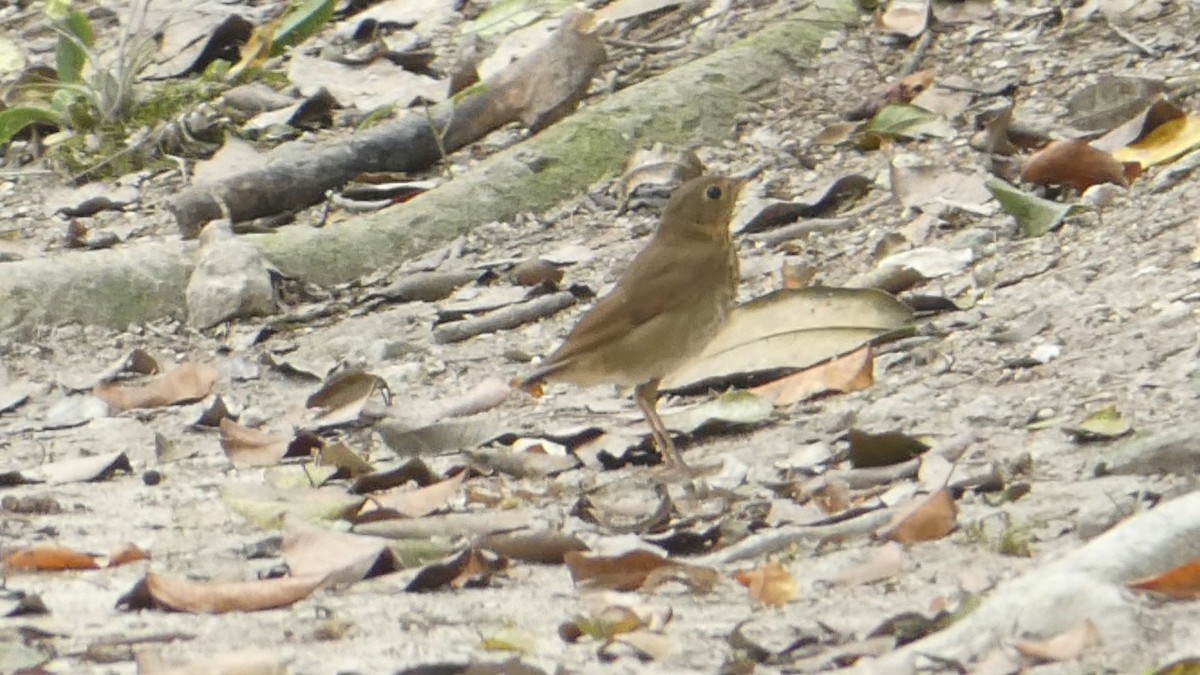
(664, 309)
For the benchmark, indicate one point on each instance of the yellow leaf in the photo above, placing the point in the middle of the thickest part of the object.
(1168, 142)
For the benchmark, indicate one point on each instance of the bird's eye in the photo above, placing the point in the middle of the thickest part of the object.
(713, 192)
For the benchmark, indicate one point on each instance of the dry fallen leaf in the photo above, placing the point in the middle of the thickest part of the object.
(124, 555)
(1065, 646)
(184, 384)
(539, 546)
(471, 568)
(635, 570)
(338, 557)
(251, 447)
(1157, 113)
(1179, 583)
(80, 469)
(1074, 163)
(48, 558)
(215, 597)
(1169, 141)
(343, 396)
(926, 519)
(420, 502)
(342, 456)
(852, 372)
(770, 584)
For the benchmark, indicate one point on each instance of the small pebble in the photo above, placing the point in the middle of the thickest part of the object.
(152, 477)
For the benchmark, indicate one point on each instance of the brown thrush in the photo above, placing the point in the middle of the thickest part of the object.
(664, 309)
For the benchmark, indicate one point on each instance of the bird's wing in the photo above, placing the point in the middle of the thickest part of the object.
(655, 283)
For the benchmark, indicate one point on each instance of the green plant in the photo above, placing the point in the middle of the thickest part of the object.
(84, 91)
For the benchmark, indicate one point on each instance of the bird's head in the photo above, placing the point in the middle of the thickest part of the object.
(702, 207)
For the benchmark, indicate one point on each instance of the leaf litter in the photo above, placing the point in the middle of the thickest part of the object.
(994, 398)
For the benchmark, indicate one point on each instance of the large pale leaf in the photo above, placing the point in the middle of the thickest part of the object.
(793, 328)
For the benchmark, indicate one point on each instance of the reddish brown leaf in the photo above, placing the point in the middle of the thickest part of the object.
(1073, 163)
(927, 519)
(636, 570)
(186, 383)
(770, 584)
(47, 558)
(1179, 583)
(215, 597)
(129, 553)
(625, 572)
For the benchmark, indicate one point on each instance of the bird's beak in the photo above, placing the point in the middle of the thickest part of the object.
(740, 181)
(736, 185)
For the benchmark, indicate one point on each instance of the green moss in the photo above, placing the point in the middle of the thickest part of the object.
(377, 117)
(167, 100)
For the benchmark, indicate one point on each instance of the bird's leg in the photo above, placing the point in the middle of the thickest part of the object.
(646, 395)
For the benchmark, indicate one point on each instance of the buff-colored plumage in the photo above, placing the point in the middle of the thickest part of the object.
(666, 306)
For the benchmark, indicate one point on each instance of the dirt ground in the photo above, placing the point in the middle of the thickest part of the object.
(1111, 299)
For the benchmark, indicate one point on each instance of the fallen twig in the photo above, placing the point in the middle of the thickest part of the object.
(501, 319)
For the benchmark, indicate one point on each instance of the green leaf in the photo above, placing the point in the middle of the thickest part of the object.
(300, 23)
(903, 120)
(1035, 216)
(74, 43)
(1105, 424)
(13, 120)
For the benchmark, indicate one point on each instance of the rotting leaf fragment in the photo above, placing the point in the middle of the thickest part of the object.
(926, 519)
(770, 584)
(1179, 583)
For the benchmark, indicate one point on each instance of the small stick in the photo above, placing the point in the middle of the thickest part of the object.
(773, 541)
(501, 319)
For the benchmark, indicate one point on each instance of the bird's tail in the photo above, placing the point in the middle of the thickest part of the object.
(532, 383)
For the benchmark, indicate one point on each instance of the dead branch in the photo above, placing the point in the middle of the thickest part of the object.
(537, 90)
